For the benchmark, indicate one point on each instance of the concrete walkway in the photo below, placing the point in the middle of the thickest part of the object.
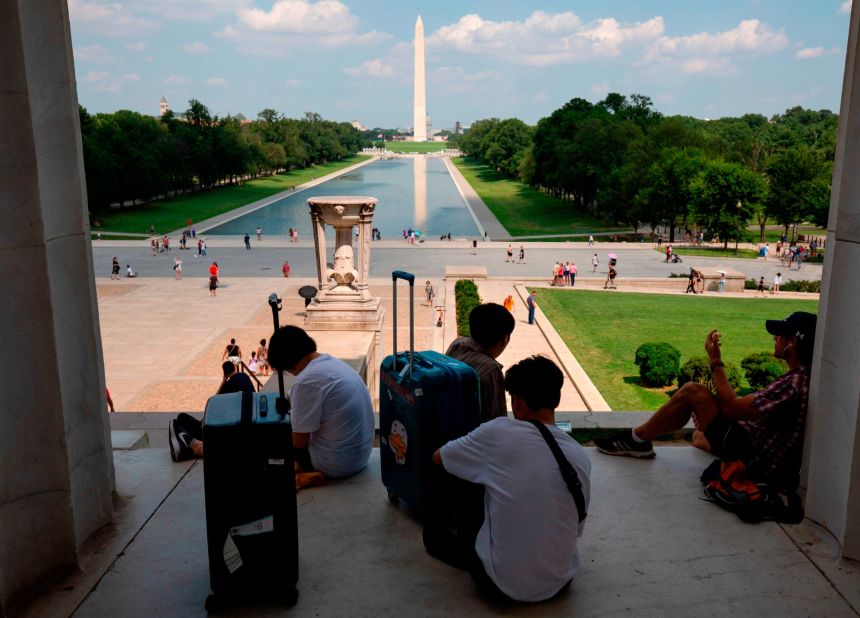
(651, 547)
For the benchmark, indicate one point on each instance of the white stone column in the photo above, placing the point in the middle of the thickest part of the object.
(832, 457)
(56, 469)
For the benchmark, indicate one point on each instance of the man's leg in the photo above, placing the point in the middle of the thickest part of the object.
(692, 398)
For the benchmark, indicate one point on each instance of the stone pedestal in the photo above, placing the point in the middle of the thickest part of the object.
(343, 301)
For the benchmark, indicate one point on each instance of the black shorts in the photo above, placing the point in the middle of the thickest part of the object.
(728, 439)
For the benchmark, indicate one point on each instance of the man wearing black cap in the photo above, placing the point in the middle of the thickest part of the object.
(764, 429)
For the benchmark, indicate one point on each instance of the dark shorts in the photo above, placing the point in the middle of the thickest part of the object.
(728, 439)
(213, 283)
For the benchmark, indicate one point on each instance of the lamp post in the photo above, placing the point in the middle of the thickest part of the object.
(738, 221)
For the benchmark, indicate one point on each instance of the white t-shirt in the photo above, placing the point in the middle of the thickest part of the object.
(332, 404)
(528, 541)
(777, 280)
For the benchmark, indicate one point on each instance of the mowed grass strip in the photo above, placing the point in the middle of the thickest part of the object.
(603, 330)
(523, 211)
(172, 214)
(416, 146)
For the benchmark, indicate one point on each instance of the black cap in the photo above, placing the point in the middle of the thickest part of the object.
(799, 324)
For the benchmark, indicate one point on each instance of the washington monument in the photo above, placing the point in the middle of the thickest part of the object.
(419, 112)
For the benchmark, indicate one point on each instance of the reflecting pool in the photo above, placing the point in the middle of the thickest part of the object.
(416, 193)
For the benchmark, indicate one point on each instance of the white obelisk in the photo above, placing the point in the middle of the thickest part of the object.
(419, 112)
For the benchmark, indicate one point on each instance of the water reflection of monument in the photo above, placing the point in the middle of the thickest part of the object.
(420, 172)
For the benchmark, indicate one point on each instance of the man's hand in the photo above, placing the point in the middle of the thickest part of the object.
(712, 346)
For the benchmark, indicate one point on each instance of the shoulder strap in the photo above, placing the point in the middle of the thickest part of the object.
(571, 478)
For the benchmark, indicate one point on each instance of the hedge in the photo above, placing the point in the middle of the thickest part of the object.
(698, 369)
(466, 298)
(658, 363)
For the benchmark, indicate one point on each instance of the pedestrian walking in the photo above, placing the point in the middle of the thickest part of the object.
(177, 268)
(610, 278)
(203, 248)
(691, 282)
(722, 282)
(565, 273)
(510, 254)
(760, 289)
(429, 294)
(114, 268)
(522, 255)
(572, 274)
(590, 240)
(531, 303)
(259, 233)
(286, 268)
(247, 241)
(777, 281)
(594, 263)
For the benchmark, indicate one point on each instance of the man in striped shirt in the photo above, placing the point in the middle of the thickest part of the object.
(763, 429)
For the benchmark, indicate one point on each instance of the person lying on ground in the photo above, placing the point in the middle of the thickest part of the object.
(763, 429)
(520, 541)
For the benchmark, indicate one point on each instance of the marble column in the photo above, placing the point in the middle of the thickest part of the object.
(56, 469)
(832, 457)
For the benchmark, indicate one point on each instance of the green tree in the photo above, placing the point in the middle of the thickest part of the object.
(799, 186)
(724, 197)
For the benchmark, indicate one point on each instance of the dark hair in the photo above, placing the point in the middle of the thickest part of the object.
(228, 368)
(262, 342)
(232, 340)
(490, 323)
(537, 381)
(288, 345)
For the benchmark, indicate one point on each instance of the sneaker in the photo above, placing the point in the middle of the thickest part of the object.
(623, 443)
(180, 443)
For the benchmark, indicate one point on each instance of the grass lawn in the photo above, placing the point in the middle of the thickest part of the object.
(522, 210)
(712, 251)
(773, 234)
(603, 330)
(416, 146)
(171, 214)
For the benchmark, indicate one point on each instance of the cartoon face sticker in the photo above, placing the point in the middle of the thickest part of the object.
(398, 441)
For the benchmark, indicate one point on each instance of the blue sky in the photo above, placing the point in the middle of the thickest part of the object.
(352, 59)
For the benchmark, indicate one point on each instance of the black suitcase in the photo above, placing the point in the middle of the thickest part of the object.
(249, 483)
(425, 400)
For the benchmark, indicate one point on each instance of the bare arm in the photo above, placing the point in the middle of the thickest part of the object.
(437, 457)
(300, 440)
(731, 406)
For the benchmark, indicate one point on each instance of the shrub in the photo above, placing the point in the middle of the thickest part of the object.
(466, 298)
(698, 369)
(762, 368)
(658, 363)
(801, 286)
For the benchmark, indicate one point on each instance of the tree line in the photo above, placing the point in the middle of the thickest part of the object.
(622, 160)
(130, 157)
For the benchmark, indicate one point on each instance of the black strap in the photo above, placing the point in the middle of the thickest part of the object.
(571, 478)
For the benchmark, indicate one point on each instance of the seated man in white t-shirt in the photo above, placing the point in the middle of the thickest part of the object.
(332, 415)
(526, 548)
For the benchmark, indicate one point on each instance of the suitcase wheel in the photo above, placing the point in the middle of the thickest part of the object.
(393, 497)
(291, 597)
(213, 605)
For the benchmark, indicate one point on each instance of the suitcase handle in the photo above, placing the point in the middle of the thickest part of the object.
(399, 274)
(282, 404)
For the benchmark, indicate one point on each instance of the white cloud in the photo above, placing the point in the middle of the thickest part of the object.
(176, 79)
(216, 81)
(845, 7)
(809, 52)
(457, 80)
(112, 19)
(710, 66)
(197, 48)
(293, 82)
(599, 88)
(370, 68)
(106, 82)
(544, 39)
(291, 24)
(136, 46)
(325, 16)
(750, 36)
(94, 54)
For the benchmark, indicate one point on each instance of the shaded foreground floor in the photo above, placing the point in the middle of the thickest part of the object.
(651, 547)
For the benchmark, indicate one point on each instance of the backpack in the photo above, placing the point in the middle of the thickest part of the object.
(727, 484)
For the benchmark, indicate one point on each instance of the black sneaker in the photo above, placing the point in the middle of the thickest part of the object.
(623, 443)
(180, 443)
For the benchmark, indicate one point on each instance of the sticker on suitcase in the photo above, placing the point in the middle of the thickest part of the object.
(398, 441)
(261, 526)
(232, 557)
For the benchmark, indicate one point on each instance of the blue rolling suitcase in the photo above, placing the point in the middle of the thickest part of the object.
(425, 400)
(250, 488)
